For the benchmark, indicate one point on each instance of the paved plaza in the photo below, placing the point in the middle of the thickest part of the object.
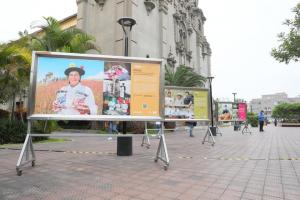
(258, 166)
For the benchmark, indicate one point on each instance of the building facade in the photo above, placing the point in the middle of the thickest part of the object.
(172, 30)
(268, 102)
(168, 29)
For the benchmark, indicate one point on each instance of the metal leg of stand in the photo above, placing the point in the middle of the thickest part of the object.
(26, 152)
(146, 140)
(162, 152)
(209, 137)
(246, 129)
(218, 131)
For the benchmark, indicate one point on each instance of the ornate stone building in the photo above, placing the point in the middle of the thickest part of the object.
(168, 29)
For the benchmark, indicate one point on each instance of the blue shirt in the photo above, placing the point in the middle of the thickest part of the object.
(261, 117)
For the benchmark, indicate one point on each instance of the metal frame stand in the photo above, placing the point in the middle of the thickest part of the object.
(246, 129)
(218, 131)
(162, 152)
(209, 136)
(27, 153)
(146, 140)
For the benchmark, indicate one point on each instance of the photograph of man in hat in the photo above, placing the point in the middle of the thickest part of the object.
(74, 98)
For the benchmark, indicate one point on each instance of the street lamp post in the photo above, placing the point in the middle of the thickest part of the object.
(124, 143)
(127, 23)
(234, 93)
(235, 125)
(212, 128)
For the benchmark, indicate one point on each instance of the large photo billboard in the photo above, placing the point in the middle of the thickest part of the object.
(186, 103)
(230, 111)
(225, 111)
(77, 85)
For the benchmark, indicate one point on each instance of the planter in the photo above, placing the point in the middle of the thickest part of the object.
(170, 125)
(290, 124)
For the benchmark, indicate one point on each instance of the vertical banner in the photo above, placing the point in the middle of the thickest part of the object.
(242, 111)
(145, 80)
(116, 88)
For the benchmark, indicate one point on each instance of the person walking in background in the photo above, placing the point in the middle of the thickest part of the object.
(261, 120)
(158, 128)
(190, 125)
(112, 128)
(275, 122)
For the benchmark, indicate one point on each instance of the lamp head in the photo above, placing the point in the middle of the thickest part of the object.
(127, 22)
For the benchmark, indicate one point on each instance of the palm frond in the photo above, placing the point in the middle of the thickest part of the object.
(183, 76)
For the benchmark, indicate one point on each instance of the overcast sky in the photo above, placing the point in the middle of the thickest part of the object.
(241, 34)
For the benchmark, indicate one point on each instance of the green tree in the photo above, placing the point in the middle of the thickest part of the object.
(183, 76)
(289, 49)
(54, 38)
(287, 111)
(14, 70)
(252, 119)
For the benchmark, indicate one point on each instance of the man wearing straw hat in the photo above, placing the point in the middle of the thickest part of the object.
(75, 98)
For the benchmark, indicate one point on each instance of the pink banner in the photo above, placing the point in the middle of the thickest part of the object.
(242, 112)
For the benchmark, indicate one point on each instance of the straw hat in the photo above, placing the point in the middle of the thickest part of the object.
(72, 67)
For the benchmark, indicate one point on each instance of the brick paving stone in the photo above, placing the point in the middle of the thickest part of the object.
(251, 196)
(257, 166)
(290, 196)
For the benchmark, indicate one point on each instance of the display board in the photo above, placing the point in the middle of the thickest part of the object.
(186, 103)
(242, 111)
(75, 86)
(225, 111)
(230, 111)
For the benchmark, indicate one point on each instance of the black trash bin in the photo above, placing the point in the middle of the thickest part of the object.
(124, 145)
(213, 130)
(236, 127)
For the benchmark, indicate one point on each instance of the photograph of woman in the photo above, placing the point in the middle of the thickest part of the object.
(74, 98)
(68, 86)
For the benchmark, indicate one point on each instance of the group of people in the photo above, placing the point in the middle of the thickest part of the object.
(179, 106)
(116, 106)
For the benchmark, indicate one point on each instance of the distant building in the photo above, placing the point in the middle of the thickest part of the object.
(268, 102)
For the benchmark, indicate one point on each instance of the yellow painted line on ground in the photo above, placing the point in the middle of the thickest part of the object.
(89, 152)
(185, 157)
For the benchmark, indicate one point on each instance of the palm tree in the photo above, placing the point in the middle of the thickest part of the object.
(183, 76)
(14, 69)
(54, 38)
